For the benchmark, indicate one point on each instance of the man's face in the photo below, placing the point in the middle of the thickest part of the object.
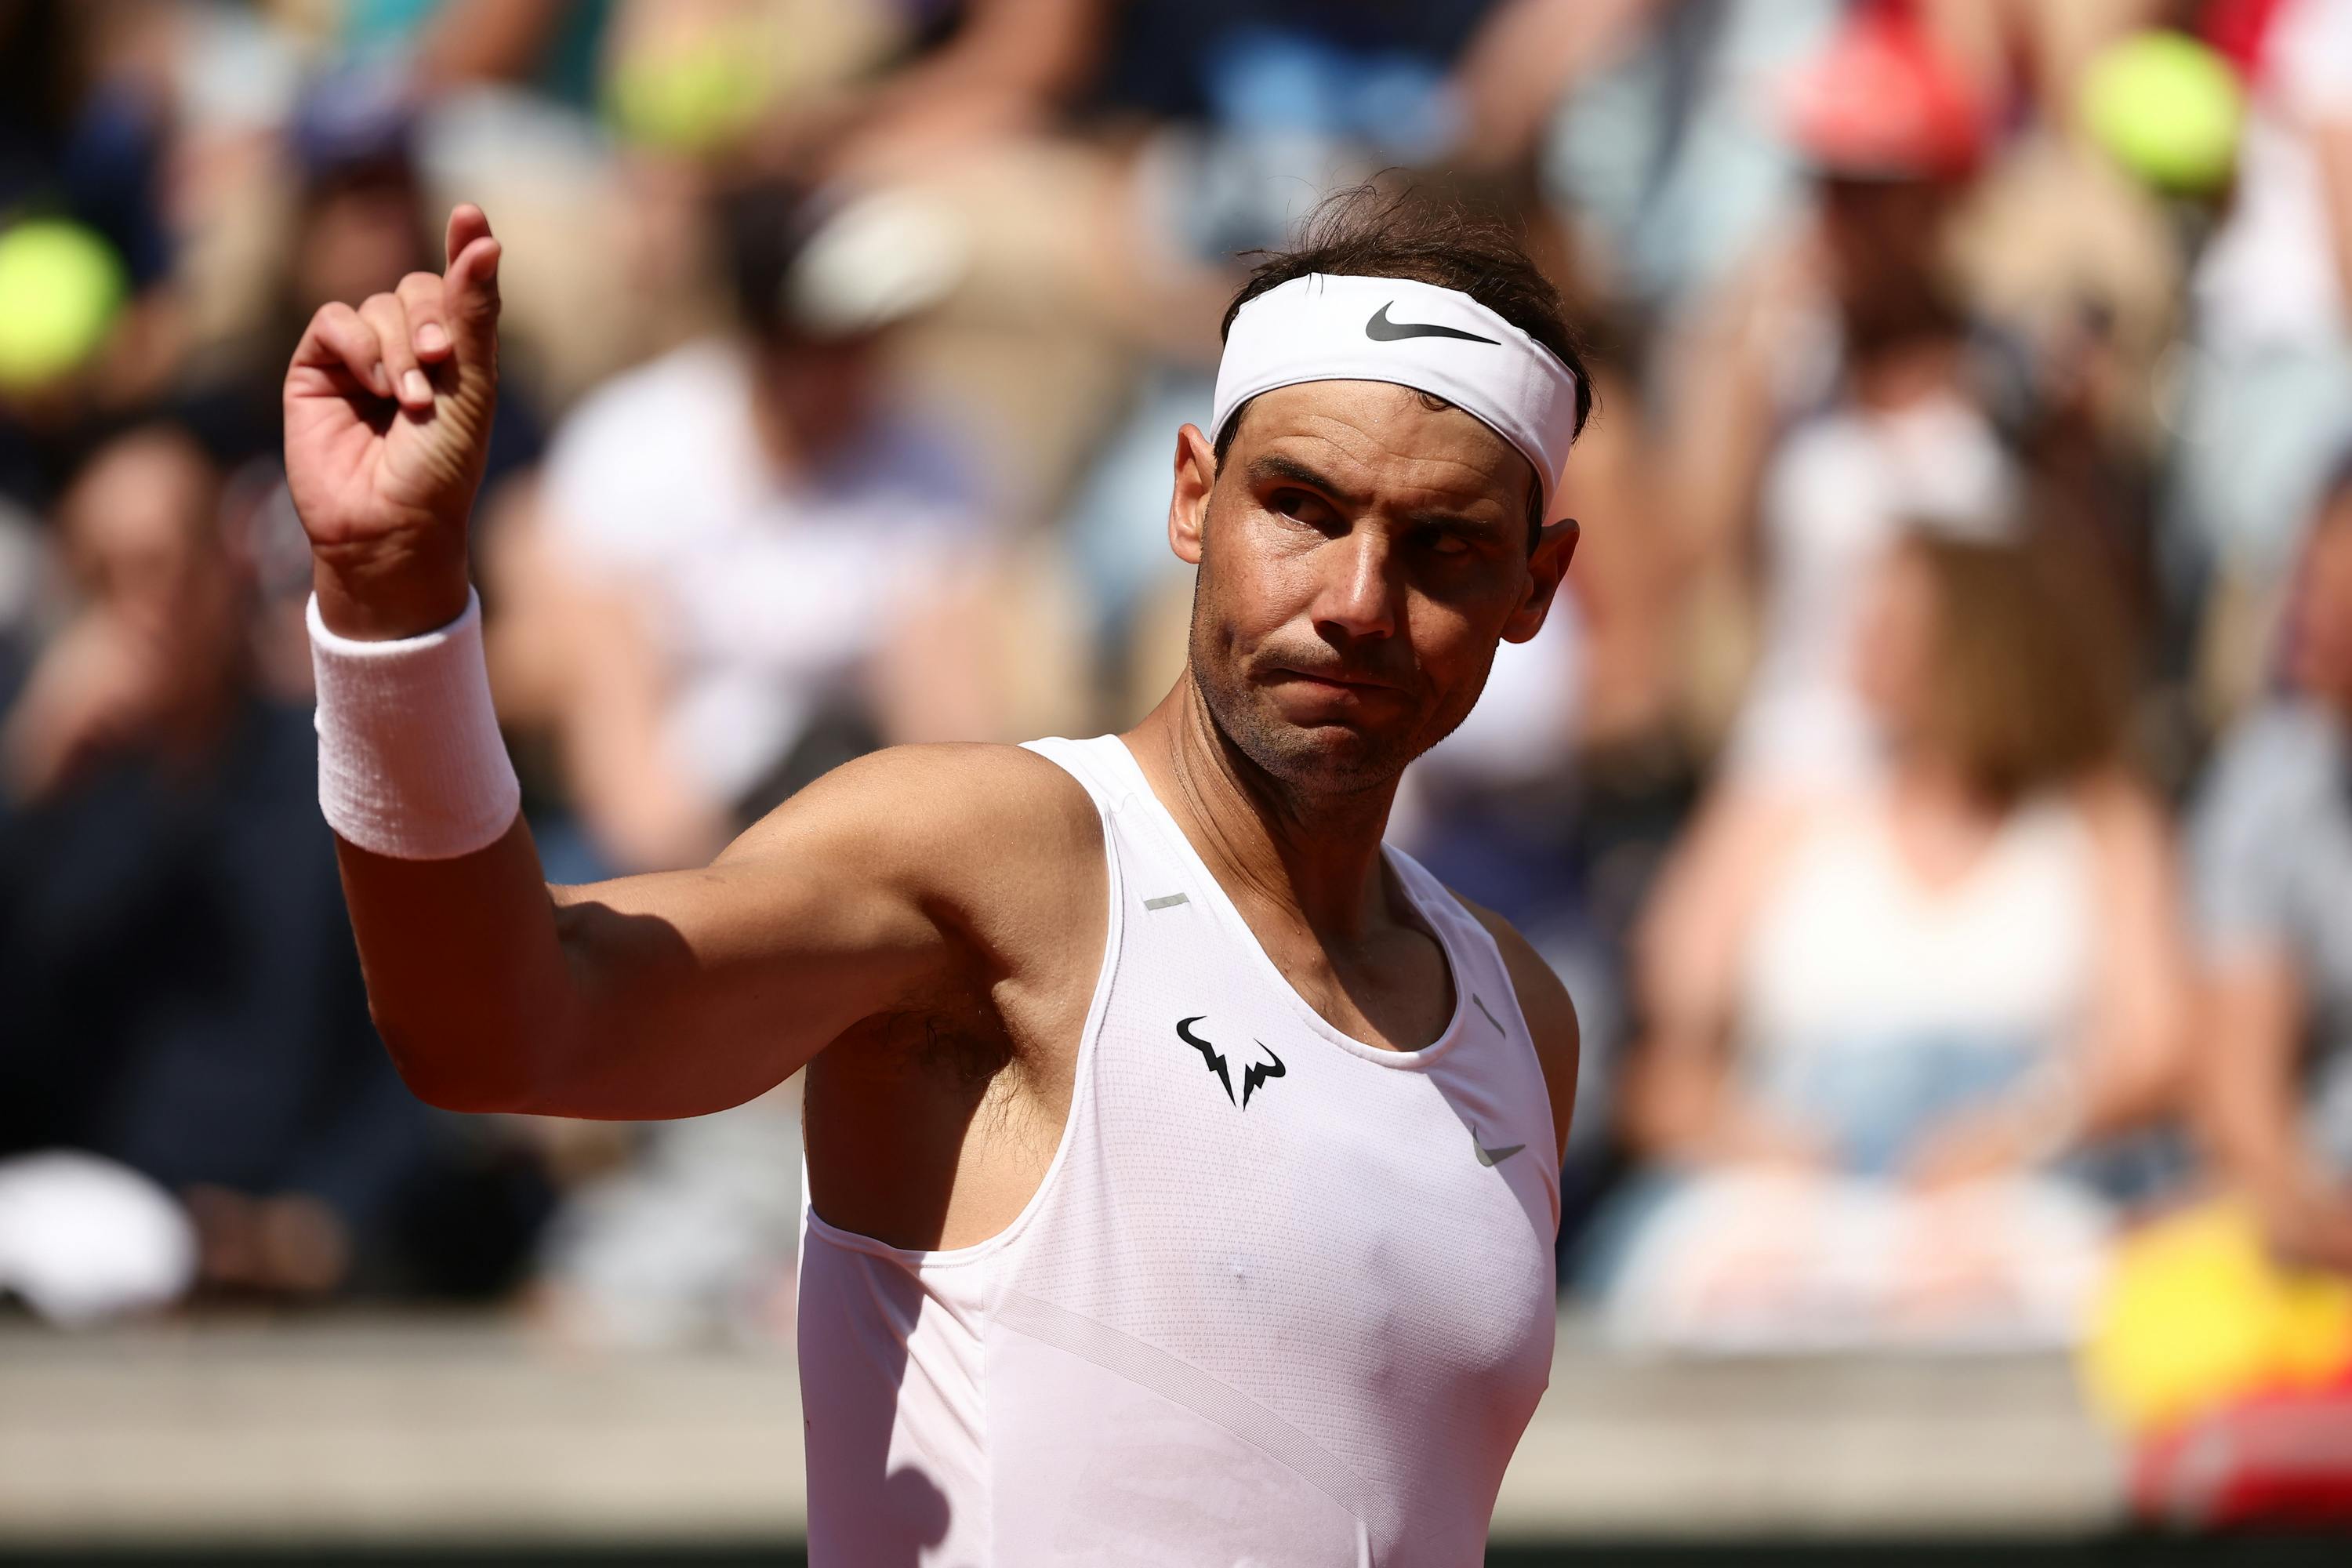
(1883, 238)
(141, 540)
(1360, 554)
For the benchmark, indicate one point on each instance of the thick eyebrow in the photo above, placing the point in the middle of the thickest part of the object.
(1477, 526)
(1269, 467)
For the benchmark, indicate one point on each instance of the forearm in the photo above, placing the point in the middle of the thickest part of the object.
(2242, 1082)
(2249, 1125)
(673, 993)
(456, 929)
(1684, 1107)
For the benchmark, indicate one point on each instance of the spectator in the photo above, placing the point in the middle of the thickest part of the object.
(1878, 1017)
(2272, 858)
(359, 225)
(2227, 1326)
(1834, 391)
(181, 987)
(2265, 406)
(748, 563)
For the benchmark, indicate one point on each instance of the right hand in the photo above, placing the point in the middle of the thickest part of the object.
(388, 412)
(99, 685)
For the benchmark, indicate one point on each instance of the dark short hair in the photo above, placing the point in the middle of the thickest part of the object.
(1368, 232)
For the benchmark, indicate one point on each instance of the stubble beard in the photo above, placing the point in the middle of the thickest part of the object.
(1327, 762)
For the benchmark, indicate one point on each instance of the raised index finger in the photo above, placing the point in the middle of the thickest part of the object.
(469, 291)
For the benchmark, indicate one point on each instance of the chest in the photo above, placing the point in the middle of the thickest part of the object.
(1303, 1221)
(1395, 991)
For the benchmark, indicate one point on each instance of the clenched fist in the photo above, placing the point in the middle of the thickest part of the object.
(387, 423)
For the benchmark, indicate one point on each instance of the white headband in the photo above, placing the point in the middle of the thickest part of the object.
(1322, 327)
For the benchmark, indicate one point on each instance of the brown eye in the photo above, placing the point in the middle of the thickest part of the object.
(1300, 505)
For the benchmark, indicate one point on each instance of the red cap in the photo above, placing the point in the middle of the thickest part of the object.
(1883, 102)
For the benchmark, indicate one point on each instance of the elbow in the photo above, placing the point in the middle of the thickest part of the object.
(473, 1077)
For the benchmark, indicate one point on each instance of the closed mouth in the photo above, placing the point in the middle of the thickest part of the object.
(1346, 683)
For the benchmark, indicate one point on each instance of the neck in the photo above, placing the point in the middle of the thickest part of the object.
(1316, 858)
(1931, 784)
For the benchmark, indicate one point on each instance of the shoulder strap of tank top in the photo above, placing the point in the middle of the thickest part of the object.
(1091, 764)
(1468, 931)
(1480, 966)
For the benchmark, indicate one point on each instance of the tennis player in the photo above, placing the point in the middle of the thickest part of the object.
(1182, 1163)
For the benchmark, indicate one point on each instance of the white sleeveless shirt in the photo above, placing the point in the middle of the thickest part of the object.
(1283, 1297)
(1852, 949)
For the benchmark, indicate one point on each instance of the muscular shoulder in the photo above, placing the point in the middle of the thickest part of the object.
(1550, 1013)
(993, 839)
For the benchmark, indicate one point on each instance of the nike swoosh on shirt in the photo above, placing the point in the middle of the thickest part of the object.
(1493, 1156)
(1381, 330)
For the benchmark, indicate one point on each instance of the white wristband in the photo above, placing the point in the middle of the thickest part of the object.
(411, 764)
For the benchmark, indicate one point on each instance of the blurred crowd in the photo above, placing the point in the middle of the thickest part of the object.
(1934, 783)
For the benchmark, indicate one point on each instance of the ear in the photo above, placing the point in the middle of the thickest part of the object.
(1188, 503)
(1555, 546)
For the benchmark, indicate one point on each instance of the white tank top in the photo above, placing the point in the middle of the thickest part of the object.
(1283, 1297)
(1851, 948)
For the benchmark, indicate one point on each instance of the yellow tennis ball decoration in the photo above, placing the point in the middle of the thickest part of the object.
(2167, 108)
(2195, 1314)
(61, 288)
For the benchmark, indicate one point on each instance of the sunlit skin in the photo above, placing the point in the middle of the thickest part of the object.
(1361, 551)
(2250, 1090)
(920, 930)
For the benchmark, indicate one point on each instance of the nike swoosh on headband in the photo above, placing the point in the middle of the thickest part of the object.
(1381, 330)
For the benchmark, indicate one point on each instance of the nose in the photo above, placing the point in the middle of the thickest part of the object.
(1355, 594)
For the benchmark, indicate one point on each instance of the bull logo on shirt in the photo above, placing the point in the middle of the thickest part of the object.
(1252, 1073)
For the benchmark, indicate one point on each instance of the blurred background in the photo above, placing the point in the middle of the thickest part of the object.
(1934, 784)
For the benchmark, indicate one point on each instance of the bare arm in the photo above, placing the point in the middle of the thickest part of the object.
(668, 994)
(2332, 139)
(1527, 58)
(641, 806)
(2125, 1066)
(684, 992)
(2137, 1046)
(1680, 1097)
(2244, 1077)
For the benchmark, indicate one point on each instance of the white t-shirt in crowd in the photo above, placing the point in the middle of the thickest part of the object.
(2270, 279)
(768, 592)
